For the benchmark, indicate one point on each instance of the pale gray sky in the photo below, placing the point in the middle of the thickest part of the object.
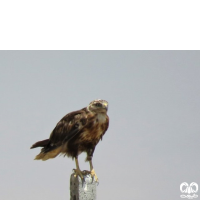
(151, 146)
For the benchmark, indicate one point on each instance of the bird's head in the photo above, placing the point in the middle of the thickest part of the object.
(98, 105)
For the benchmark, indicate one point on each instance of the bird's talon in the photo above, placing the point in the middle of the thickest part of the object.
(94, 176)
(77, 172)
(97, 182)
(86, 172)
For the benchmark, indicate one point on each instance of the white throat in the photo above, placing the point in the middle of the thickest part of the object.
(101, 117)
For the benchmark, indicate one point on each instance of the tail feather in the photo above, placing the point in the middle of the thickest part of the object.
(48, 151)
(47, 155)
(42, 143)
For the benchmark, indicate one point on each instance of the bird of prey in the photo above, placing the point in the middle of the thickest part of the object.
(77, 132)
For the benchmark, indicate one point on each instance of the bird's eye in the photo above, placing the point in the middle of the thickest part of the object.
(98, 104)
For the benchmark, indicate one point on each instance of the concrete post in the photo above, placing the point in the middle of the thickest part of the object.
(82, 190)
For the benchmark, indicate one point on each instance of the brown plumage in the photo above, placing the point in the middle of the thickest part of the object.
(77, 132)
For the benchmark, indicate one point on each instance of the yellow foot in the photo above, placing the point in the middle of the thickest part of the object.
(79, 173)
(93, 174)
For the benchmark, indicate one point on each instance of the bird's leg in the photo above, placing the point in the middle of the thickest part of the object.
(77, 170)
(92, 172)
(89, 158)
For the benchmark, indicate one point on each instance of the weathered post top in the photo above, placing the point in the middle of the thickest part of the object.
(82, 190)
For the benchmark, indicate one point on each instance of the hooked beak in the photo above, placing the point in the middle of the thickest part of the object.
(105, 105)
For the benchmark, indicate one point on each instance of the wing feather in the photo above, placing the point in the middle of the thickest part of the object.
(69, 126)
